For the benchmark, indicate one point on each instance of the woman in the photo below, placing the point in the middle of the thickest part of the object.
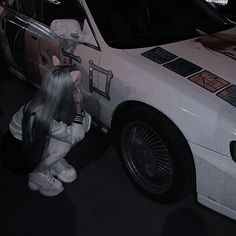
(52, 122)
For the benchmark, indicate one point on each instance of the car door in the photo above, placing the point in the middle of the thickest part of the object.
(43, 44)
(14, 23)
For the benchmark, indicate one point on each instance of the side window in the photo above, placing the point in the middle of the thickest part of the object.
(21, 6)
(50, 10)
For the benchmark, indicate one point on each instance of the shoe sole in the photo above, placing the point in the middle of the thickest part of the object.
(65, 180)
(34, 187)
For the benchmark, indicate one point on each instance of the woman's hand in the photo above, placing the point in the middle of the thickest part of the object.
(87, 122)
(76, 77)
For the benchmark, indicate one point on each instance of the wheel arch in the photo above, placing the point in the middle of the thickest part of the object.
(125, 107)
(128, 106)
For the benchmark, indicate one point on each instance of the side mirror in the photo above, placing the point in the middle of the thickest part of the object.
(70, 29)
(67, 29)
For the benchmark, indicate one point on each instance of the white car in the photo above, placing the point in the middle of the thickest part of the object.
(226, 8)
(158, 75)
(218, 2)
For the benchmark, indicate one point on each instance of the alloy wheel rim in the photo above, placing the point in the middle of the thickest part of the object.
(147, 157)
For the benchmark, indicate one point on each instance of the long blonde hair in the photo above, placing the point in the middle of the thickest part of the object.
(56, 101)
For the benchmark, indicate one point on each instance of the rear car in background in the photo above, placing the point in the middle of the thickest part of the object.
(158, 75)
(225, 7)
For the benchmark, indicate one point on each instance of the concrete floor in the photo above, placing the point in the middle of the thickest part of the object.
(102, 201)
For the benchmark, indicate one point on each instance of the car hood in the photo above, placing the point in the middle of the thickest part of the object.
(211, 56)
(201, 77)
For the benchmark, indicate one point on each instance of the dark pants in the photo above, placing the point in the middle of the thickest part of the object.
(23, 159)
(12, 153)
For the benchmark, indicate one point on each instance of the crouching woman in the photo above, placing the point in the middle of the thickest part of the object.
(45, 129)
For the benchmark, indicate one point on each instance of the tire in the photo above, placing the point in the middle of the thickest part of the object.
(155, 155)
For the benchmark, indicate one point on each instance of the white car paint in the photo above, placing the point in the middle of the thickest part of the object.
(207, 121)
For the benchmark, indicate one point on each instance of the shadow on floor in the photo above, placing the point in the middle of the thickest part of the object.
(91, 148)
(27, 213)
(184, 222)
(1, 113)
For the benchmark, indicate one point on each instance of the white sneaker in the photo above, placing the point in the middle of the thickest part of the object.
(64, 171)
(45, 183)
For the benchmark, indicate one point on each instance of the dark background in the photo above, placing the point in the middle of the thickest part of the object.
(102, 201)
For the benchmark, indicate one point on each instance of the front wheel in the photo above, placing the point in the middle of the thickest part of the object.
(155, 155)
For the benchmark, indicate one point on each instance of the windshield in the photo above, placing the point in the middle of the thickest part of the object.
(142, 23)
